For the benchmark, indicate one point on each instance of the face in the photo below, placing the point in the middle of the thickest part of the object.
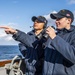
(62, 23)
(38, 25)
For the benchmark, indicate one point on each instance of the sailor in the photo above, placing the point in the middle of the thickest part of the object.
(31, 45)
(60, 47)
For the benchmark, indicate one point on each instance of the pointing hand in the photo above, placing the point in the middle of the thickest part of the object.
(9, 30)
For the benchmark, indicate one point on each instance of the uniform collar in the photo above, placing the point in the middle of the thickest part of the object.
(66, 30)
(31, 32)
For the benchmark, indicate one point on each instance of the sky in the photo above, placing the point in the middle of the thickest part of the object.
(18, 13)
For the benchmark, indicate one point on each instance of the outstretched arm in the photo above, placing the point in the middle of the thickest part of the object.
(18, 35)
(9, 30)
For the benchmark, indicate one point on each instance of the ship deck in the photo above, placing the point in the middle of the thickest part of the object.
(2, 71)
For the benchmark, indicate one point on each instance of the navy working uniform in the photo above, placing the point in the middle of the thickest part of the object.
(33, 49)
(60, 53)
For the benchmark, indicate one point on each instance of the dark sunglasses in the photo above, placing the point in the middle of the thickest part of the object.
(38, 21)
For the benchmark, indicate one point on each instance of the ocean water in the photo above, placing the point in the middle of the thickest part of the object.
(8, 52)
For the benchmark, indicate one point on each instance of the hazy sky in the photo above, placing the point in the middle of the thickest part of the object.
(18, 14)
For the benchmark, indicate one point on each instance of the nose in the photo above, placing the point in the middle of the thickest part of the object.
(35, 22)
(56, 21)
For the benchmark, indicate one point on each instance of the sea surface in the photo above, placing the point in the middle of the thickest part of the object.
(8, 52)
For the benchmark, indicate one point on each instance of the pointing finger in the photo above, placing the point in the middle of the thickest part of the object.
(5, 27)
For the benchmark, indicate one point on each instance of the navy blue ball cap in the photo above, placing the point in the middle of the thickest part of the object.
(39, 18)
(62, 13)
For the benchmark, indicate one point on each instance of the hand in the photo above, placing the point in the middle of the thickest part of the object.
(51, 32)
(9, 30)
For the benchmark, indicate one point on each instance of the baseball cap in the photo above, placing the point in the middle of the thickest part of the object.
(62, 13)
(40, 19)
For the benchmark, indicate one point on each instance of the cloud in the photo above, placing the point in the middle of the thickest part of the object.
(71, 1)
(2, 35)
(10, 24)
(9, 38)
(6, 39)
(51, 22)
(74, 18)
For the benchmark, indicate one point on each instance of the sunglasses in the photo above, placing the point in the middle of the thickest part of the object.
(38, 21)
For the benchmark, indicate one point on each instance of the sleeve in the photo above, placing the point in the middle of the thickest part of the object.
(23, 38)
(22, 49)
(65, 48)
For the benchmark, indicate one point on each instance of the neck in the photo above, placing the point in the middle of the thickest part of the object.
(38, 31)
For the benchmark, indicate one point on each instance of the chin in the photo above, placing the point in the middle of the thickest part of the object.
(36, 28)
(59, 28)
